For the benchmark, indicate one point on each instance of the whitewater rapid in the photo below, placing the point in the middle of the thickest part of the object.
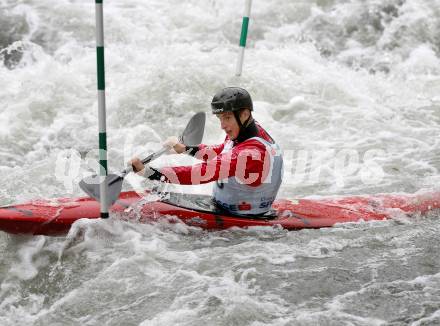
(349, 90)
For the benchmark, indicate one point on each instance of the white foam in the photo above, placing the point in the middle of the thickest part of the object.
(355, 75)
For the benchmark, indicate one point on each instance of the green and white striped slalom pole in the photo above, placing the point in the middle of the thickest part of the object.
(103, 187)
(243, 36)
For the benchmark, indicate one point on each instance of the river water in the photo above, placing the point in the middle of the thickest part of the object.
(349, 89)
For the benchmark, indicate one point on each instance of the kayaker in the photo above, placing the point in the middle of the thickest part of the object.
(246, 167)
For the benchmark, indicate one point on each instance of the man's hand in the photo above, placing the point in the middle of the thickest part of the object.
(144, 169)
(137, 164)
(174, 146)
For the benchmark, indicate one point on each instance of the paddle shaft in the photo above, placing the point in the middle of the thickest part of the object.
(193, 134)
(146, 160)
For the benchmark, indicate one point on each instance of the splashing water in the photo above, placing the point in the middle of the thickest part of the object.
(338, 84)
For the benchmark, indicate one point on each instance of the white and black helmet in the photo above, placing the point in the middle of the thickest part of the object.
(231, 99)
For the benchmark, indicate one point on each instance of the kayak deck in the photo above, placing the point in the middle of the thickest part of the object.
(55, 216)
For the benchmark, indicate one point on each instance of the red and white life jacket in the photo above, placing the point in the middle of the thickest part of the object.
(238, 196)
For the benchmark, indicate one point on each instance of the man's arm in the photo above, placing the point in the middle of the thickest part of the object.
(198, 151)
(249, 163)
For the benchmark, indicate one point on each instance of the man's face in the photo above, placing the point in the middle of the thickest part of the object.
(229, 124)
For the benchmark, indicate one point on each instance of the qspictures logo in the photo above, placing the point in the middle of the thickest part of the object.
(301, 167)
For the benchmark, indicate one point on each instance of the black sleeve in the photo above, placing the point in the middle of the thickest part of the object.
(154, 174)
(191, 150)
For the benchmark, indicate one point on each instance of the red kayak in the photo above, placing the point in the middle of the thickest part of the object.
(55, 216)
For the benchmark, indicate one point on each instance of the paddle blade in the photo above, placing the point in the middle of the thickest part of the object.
(90, 186)
(193, 133)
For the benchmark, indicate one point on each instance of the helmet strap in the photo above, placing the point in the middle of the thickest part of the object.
(242, 126)
(237, 118)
